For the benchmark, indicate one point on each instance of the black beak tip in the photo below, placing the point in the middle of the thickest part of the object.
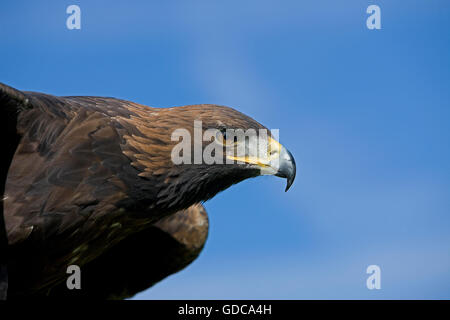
(289, 183)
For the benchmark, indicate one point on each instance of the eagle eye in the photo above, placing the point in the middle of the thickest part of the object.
(225, 139)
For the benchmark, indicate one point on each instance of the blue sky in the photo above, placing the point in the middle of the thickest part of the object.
(364, 112)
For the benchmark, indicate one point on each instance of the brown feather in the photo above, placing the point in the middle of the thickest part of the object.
(86, 165)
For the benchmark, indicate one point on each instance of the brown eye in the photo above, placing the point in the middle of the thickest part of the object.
(223, 138)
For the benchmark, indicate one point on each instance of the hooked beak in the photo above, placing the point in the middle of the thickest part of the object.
(278, 162)
(286, 167)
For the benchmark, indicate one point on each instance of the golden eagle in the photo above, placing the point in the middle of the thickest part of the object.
(90, 181)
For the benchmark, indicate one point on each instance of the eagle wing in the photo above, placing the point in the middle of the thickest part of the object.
(134, 264)
(11, 102)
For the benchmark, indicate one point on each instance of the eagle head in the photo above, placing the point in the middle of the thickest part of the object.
(191, 153)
